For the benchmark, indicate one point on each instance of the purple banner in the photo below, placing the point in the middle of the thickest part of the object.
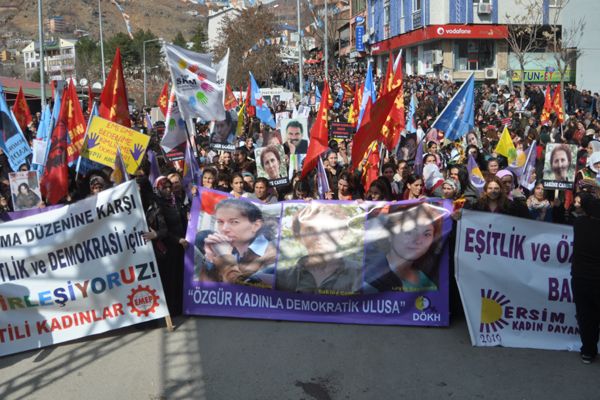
(322, 261)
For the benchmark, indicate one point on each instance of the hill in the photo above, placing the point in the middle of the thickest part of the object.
(163, 17)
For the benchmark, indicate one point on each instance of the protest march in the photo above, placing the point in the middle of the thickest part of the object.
(387, 199)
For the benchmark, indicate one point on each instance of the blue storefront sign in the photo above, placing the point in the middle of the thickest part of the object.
(360, 32)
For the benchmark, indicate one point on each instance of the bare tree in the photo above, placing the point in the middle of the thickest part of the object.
(563, 41)
(524, 32)
(250, 39)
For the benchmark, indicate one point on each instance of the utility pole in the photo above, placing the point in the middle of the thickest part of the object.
(101, 45)
(41, 39)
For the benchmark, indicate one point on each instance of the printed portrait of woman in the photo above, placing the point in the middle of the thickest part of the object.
(240, 249)
(406, 255)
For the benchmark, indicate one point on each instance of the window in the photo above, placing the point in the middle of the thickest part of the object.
(474, 54)
(386, 19)
(481, 1)
(555, 3)
(416, 5)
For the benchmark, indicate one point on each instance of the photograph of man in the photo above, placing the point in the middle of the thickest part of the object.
(319, 250)
(559, 166)
(295, 136)
(271, 164)
(222, 136)
(406, 255)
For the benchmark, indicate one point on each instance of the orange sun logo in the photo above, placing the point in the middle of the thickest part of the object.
(492, 304)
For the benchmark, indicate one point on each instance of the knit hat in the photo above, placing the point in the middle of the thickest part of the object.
(594, 159)
(160, 181)
(454, 184)
(97, 180)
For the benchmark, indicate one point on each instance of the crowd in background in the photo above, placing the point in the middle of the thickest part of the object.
(442, 171)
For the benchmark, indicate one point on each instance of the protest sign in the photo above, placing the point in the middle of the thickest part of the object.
(103, 138)
(295, 135)
(559, 166)
(222, 133)
(341, 130)
(271, 164)
(77, 270)
(514, 281)
(25, 189)
(280, 116)
(370, 263)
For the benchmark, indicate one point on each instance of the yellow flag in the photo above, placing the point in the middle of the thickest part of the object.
(506, 147)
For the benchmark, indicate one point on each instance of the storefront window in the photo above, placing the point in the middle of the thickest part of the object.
(474, 54)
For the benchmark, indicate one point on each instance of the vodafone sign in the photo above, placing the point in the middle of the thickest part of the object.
(474, 31)
(437, 32)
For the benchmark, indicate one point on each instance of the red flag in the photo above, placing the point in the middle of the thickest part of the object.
(371, 168)
(250, 109)
(90, 99)
(386, 83)
(355, 107)
(55, 181)
(348, 92)
(319, 135)
(545, 117)
(21, 110)
(114, 104)
(230, 100)
(395, 121)
(163, 99)
(370, 131)
(557, 105)
(76, 123)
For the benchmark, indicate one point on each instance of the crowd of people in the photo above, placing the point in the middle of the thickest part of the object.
(441, 172)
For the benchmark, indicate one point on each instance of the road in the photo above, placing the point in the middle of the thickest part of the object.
(221, 358)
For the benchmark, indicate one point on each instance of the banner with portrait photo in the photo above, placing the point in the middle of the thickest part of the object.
(271, 164)
(279, 117)
(560, 165)
(77, 270)
(223, 133)
(323, 261)
(295, 135)
(25, 189)
(514, 280)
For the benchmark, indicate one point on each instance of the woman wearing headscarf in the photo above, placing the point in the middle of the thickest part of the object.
(175, 216)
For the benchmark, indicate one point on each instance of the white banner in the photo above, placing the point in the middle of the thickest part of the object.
(514, 280)
(221, 69)
(195, 83)
(79, 270)
(175, 129)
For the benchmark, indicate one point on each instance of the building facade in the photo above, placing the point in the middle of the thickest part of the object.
(59, 59)
(448, 38)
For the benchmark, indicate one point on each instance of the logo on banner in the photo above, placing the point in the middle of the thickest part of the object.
(143, 301)
(440, 31)
(492, 311)
(422, 303)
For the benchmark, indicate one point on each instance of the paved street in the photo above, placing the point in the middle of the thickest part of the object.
(219, 358)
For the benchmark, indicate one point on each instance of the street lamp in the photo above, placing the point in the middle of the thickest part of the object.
(101, 44)
(144, 58)
(299, 43)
